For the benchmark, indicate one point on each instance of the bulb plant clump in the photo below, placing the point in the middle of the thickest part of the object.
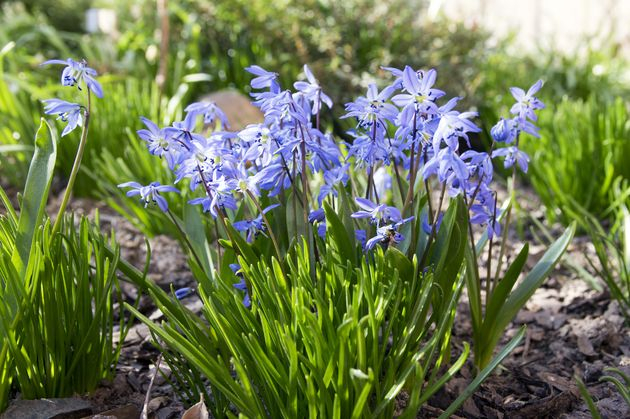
(329, 270)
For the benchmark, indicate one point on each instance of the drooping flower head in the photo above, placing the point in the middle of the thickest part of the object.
(150, 193)
(67, 111)
(210, 111)
(77, 72)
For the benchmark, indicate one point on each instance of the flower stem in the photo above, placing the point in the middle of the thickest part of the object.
(75, 166)
(506, 227)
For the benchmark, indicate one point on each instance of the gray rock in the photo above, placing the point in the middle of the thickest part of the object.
(68, 408)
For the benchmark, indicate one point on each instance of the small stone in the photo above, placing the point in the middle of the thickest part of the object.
(585, 346)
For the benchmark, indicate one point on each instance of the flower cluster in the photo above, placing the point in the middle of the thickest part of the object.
(268, 157)
(433, 139)
(405, 135)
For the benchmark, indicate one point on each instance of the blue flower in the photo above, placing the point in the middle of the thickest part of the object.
(313, 91)
(361, 237)
(452, 126)
(367, 151)
(317, 215)
(275, 177)
(479, 164)
(372, 109)
(150, 193)
(387, 235)
(241, 285)
(332, 177)
(264, 78)
(255, 226)
(513, 155)
(67, 111)
(445, 163)
(527, 103)
(160, 143)
(505, 131)
(419, 94)
(183, 131)
(184, 292)
(77, 71)
(485, 214)
(426, 227)
(210, 112)
(377, 214)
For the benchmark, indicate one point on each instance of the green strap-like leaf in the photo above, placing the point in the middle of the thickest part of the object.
(197, 237)
(503, 289)
(534, 278)
(484, 374)
(35, 193)
(336, 227)
(493, 332)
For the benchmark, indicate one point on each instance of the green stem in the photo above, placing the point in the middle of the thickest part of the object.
(506, 226)
(489, 267)
(75, 166)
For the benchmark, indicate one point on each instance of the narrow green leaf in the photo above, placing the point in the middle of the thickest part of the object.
(335, 227)
(503, 289)
(35, 193)
(399, 261)
(533, 280)
(587, 398)
(193, 225)
(468, 391)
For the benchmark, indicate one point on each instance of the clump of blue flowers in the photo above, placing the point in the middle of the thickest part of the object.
(408, 141)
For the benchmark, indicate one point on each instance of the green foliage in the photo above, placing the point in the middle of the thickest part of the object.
(324, 34)
(67, 15)
(57, 316)
(505, 297)
(118, 155)
(345, 344)
(584, 147)
(324, 335)
(17, 119)
(612, 248)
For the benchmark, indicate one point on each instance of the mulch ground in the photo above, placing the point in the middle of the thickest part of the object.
(572, 331)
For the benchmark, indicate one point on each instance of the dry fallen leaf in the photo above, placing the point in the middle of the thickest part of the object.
(198, 411)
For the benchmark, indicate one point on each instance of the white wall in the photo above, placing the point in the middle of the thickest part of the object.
(557, 23)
